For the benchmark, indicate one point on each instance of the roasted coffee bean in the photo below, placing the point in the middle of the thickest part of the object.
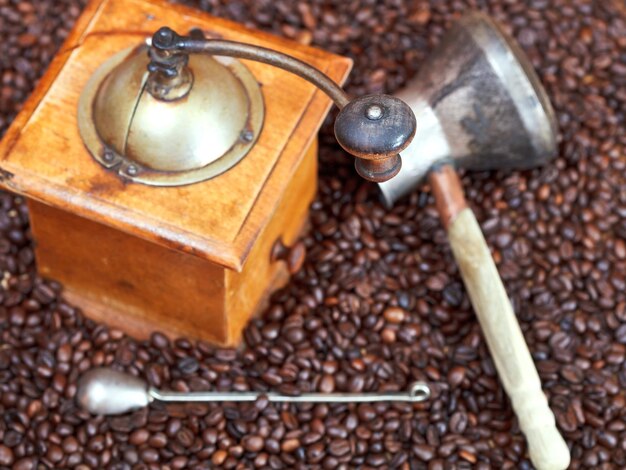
(327, 384)
(158, 440)
(339, 447)
(272, 446)
(290, 445)
(188, 365)
(315, 452)
(139, 437)
(6, 455)
(253, 443)
(70, 444)
(394, 315)
(423, 452)
(458, 422)
(25, 463)
(54, 454)
(456, 376)
(185, 437)
(149, 455)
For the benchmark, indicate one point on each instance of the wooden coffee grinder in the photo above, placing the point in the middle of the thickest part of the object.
(161, 171)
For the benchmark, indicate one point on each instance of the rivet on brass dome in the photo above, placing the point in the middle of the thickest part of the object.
(180, 135)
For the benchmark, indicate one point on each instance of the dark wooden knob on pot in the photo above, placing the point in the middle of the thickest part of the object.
(375, 129)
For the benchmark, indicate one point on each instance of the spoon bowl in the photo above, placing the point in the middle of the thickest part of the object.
(104, 391)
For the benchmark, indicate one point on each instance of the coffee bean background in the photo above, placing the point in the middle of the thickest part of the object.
(379, 302)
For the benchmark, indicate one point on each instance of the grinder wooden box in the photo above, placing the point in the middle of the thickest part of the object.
(189, 260)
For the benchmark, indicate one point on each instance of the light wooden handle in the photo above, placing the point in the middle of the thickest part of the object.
(516, 369)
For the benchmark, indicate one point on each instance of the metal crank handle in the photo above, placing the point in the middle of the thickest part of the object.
(373, 128)
(106, 391)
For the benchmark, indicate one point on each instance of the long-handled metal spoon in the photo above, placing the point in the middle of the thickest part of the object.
(106, 391)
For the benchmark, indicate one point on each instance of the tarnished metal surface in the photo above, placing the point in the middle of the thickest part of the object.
(183, 140)
(479, 105)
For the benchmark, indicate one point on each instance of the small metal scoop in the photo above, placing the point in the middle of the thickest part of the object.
(106, 391)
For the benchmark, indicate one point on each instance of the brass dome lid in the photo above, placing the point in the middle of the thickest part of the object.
(199, 134)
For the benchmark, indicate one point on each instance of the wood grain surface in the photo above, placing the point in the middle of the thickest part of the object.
(191, 260)
(216, 219)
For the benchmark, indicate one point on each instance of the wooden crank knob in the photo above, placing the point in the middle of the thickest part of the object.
(375, 129)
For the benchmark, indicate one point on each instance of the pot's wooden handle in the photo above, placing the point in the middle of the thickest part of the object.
(547, 449)
(516, 369)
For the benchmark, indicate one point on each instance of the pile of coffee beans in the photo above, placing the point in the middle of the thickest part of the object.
(379, 302)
